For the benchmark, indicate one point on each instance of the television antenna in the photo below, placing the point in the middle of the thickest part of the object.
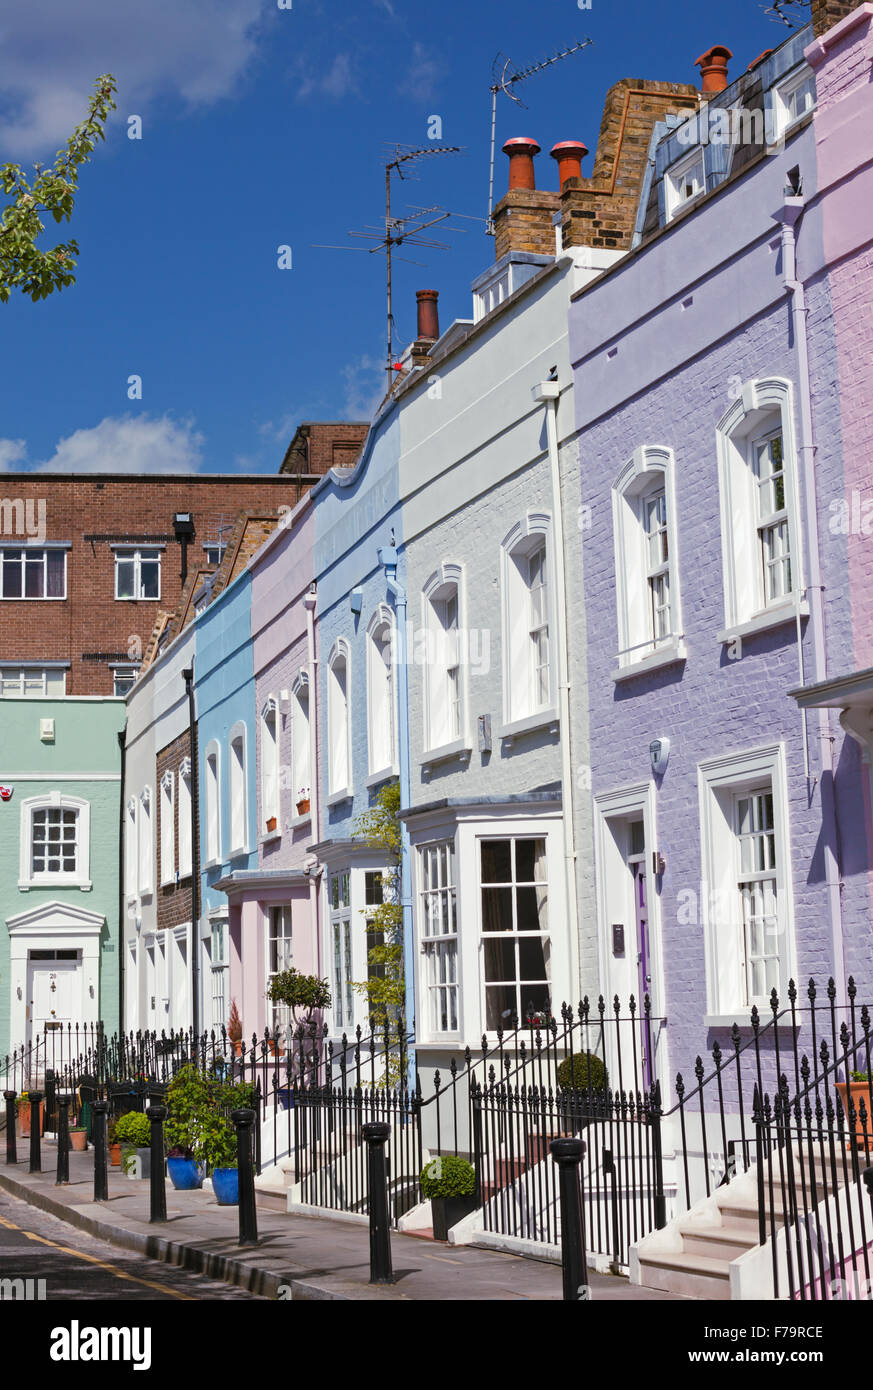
(399, 231)
(786, 12)
(503, 78)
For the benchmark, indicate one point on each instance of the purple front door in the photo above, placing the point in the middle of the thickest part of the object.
(643, 966)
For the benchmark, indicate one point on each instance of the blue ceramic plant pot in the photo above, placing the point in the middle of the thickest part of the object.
(184, 1174)
(225, 1185)
(286, 1098)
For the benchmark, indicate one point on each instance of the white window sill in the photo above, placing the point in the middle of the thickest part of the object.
(213, 864)
(458, 748)
(269, 836)
(297, 822)
(666, 655)
(238, 853)
(766, 619)
(743, 1016)
(451, 1040)
(54, 881)
(145, 894)
(385, 775)
(344, 794)
(542, 719)
(168, 882)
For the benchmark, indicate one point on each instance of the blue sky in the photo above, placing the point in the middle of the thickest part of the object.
(265, 127)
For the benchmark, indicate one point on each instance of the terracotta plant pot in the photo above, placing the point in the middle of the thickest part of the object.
(271, 825)
(858, 1090)
(115, 1155)
(303, 806)
(236, 1043)
(78, 1140)
(24, 1119)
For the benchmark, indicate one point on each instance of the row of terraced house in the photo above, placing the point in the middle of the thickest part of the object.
(592, 586)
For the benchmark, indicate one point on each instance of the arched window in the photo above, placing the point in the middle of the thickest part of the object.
(269, 763)
(528, 666)
(185, 818)
(213, 803)
(168, 828)
(760, 524)
(300, 737)
(146, 843)
(338, 726)
(646, 570)
(381, 694)
(238, 790)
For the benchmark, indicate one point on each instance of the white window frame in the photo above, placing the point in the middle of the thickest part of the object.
(55, 800)
(145, 840)
(339, 725)
(753, 414)
(443, 735)
(301, 735)
(780, 100)
(238, 791)
(185, 854)
(136, 553)
(521, 711)
(342, 977)
(720, 781)
(675, 176)
(381, 695)
(546, 935)
(29, 552)
(435, 944)
(651, 467)
(280, 1014)
(212, 801)
(131, 851)
(27, 672)
(270, 765)
(219, 970)
(120, 672)
(168, 828)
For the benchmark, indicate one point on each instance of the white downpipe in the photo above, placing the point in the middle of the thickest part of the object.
(549, 393)
(788, 216)
(309, 602)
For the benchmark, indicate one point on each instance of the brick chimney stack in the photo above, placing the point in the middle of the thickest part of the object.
(713, 69)
(523, 217)
(827, 13)
(428, 315)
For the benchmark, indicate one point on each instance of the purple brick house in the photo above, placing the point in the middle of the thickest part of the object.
(731, 828)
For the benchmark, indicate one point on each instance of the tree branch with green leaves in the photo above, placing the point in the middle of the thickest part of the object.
(48, 193)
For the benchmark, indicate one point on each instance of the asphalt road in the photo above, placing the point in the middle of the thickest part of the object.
(76, 1266)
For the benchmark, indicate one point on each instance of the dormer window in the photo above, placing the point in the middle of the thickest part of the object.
(792, 99)
(684, 182)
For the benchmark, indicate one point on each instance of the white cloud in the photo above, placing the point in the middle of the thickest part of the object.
(422, 74)
(338, 81)
(365, 386)
(13, 452)
(196, 50)
(119, 444)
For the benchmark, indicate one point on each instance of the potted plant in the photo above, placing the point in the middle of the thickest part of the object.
(189, 1098)
(218, 1148)
(271, 824)
(301, 993)
(114, 1145)
(851, 1094)
(450, 1183)
(24, 1115)
(134, 1133)
(78, 1138)
(234, 1028)
(303, 801)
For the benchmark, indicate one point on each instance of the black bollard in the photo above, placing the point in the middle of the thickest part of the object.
(157, 1181)
(99, 1111)
(376, 1137)
(11, 1151)
(35, 1126)
(50, 1123)
(567, 1154)
(248, 1216)
(63, 1104)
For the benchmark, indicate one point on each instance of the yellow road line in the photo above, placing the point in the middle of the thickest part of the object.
(92, 1259)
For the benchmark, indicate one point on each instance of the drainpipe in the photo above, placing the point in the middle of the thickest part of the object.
(188, 677)
(314, 868)
(388, 560)
(122, 898)
(548, 393)
(788, 216)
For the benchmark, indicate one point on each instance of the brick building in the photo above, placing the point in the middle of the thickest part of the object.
(88, 562)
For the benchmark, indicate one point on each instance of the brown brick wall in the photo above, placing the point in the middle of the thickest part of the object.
(174, 900)
(319, 446)
(90, 619)
(827, 13)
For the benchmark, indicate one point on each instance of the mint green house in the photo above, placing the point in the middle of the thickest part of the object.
(60, 788)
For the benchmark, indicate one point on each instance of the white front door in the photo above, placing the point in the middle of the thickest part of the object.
(54, 991)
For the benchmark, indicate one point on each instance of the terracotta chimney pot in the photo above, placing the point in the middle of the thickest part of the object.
(713, 68)
(521, 153)
(428, 314)
(569, 154)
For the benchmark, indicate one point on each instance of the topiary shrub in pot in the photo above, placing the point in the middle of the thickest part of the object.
(134, 1133)
(450, 1184)
(582, 1084)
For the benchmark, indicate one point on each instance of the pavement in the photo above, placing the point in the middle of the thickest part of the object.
(297, 1257)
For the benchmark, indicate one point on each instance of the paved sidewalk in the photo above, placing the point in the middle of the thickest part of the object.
(312, 1257)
